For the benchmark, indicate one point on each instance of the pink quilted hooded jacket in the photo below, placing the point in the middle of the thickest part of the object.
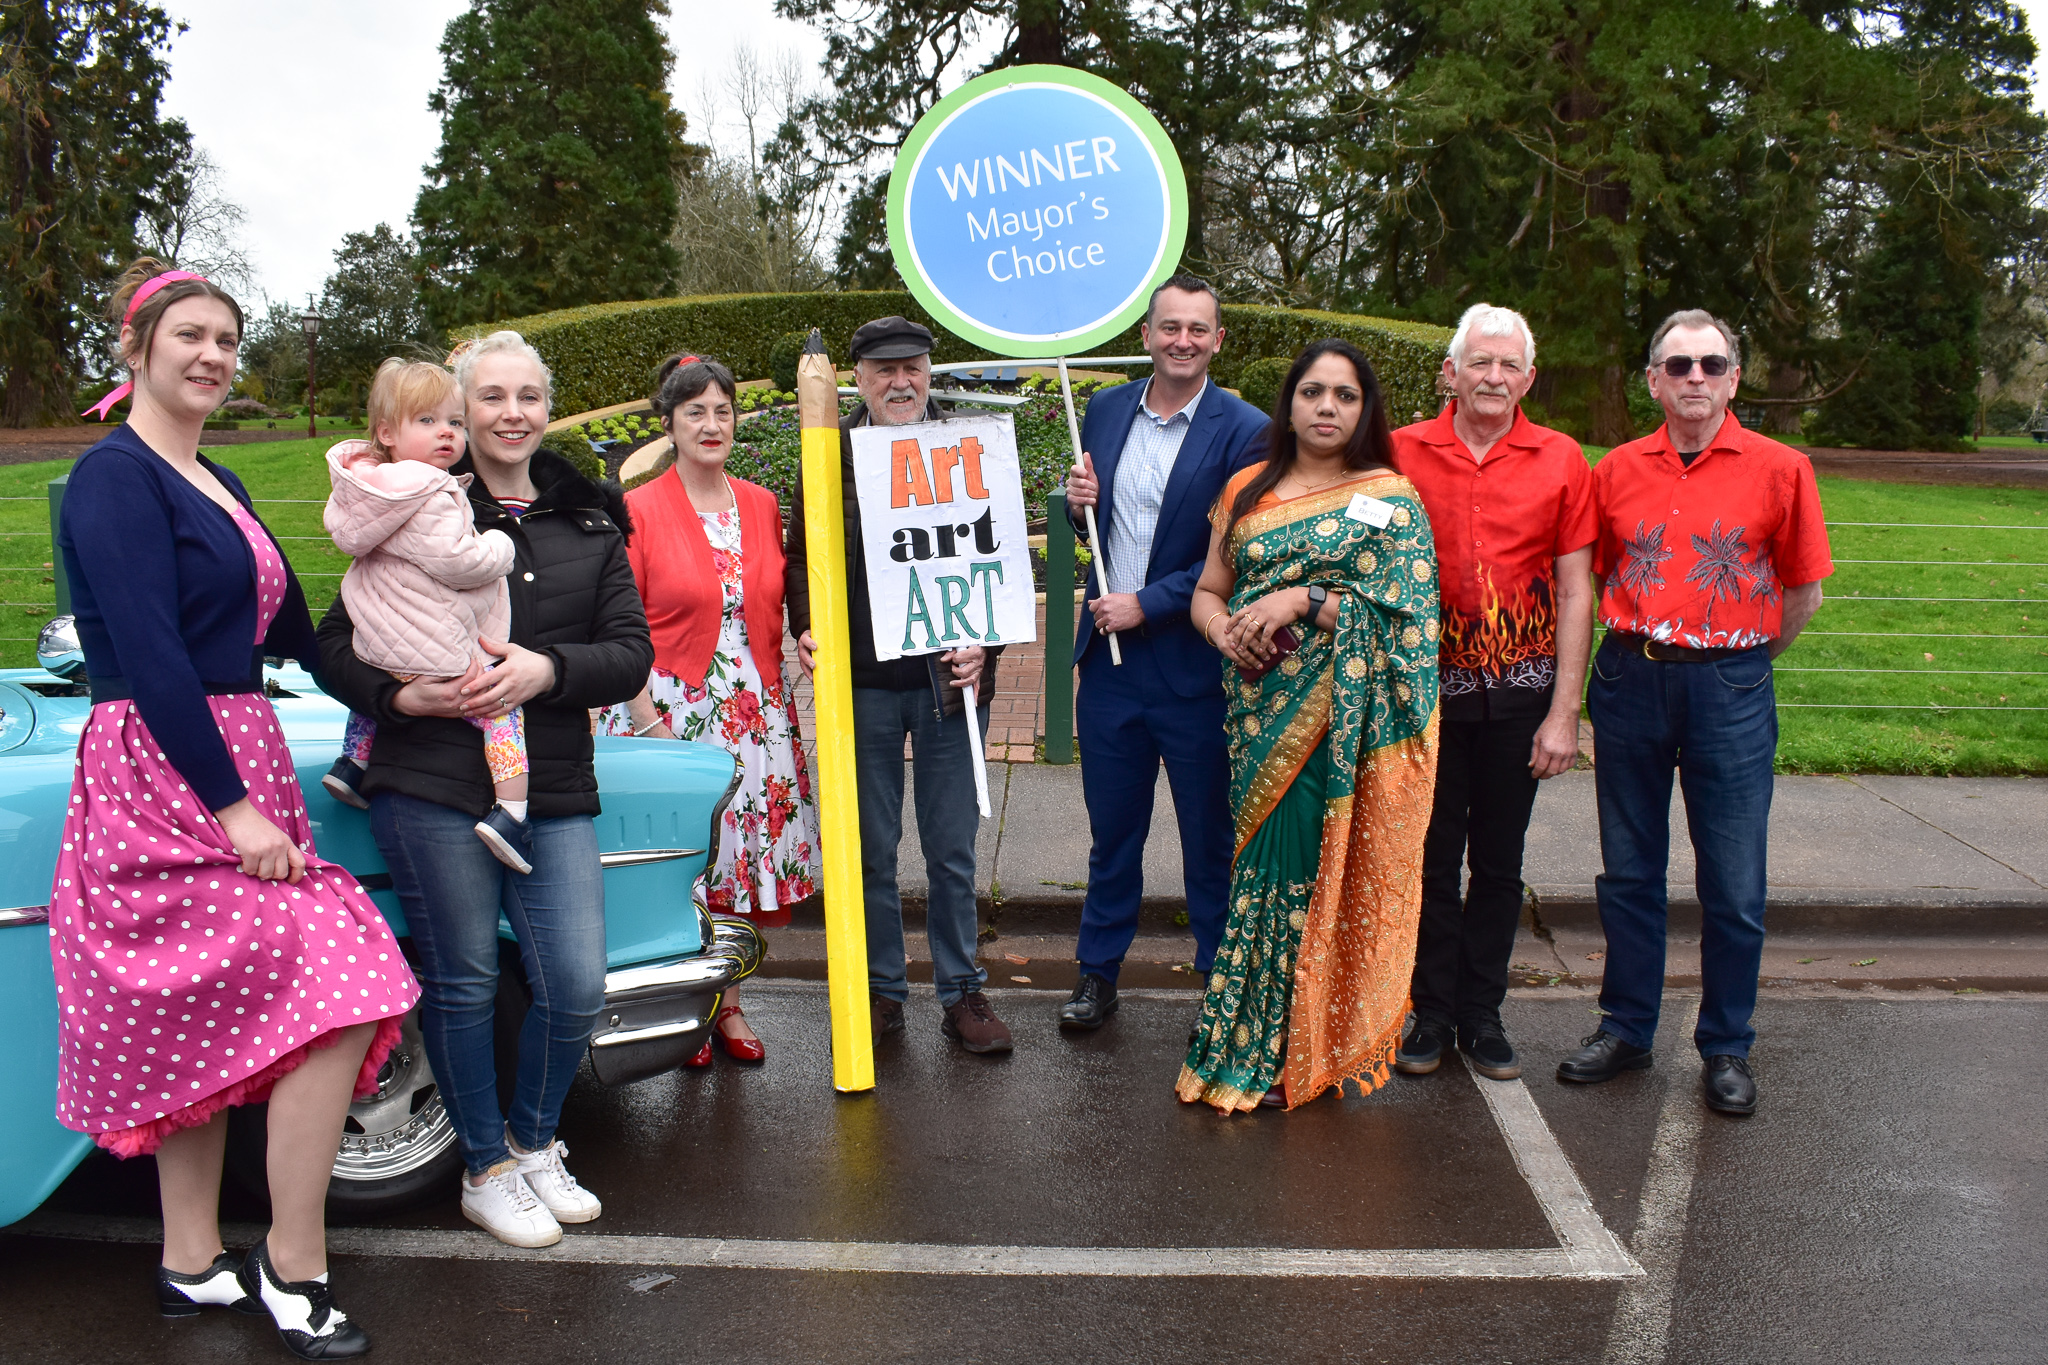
(424, 584)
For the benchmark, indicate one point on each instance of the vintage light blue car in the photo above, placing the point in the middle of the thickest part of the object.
(669, 960)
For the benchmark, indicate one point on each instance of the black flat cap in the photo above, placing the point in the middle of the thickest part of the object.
(891, 338)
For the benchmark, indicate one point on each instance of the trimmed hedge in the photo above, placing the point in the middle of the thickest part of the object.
(607, 353)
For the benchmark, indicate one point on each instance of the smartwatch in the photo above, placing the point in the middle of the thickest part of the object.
(1317, 595)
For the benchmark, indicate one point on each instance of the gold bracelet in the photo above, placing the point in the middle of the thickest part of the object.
(1208, 639)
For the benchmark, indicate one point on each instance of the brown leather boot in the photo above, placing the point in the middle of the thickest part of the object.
(884, 1014)
(971, 1022)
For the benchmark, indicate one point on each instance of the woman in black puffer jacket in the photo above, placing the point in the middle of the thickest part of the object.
(579, 640)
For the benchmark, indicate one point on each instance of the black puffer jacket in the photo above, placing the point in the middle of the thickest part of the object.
(573, 599)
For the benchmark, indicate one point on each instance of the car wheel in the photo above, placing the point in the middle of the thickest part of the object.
(397, 1146)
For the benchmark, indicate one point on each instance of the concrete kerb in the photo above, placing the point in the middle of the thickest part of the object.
(1892, 855)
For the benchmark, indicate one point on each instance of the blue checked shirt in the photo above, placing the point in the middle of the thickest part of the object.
(1141, 473)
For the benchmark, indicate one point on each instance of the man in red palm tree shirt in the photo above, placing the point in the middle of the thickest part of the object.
(1709, 557)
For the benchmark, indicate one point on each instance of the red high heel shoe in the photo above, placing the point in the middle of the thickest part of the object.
(739, 1049)
(702, 1056)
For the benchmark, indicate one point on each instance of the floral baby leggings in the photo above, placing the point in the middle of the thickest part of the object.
(504, 739)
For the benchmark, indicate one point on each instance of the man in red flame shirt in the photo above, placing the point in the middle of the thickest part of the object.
(1710, 554)
(1511, 506)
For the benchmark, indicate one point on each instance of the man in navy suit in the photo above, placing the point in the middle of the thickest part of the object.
(1168, 445)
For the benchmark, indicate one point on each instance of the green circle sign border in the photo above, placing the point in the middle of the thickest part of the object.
(941, 113)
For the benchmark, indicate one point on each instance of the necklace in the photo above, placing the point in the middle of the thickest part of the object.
(1307, 487)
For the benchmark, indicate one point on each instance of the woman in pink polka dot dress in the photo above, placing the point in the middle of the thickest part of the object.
(205, 956)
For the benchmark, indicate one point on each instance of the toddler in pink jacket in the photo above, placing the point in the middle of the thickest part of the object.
(424, 585)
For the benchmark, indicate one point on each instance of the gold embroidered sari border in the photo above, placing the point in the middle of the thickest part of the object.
(1284, 761)
(1321, 503)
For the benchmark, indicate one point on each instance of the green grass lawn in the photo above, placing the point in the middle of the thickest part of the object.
(1875, 684)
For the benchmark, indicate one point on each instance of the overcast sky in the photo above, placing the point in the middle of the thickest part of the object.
(316, 111)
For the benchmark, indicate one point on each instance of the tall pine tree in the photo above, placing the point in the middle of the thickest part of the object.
(555, 182)
(80, 148)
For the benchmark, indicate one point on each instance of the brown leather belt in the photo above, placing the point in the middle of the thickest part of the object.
(1659, 652)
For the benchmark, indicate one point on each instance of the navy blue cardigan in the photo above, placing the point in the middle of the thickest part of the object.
(163, 584)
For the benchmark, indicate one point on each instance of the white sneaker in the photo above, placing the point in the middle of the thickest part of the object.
(552, 1184)
(504, 1206)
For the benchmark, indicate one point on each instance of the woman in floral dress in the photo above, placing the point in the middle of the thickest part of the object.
(707, 553)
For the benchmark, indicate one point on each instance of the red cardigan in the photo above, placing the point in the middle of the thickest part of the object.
(671, 560)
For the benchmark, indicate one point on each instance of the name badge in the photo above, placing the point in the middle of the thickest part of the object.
(1370, 510)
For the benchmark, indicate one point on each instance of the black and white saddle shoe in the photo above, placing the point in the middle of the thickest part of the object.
(309, 1324)
(217, 1286)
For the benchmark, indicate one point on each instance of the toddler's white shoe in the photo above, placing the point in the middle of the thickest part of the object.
(504, 1206)
(552, 1184)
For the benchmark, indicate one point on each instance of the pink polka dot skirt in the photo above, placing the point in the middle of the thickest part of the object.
(185, 985)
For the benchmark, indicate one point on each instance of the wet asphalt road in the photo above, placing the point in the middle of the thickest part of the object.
(1885, 1204)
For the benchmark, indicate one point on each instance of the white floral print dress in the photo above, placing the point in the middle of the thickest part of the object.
(763, 863)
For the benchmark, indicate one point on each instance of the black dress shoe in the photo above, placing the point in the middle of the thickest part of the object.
(1486, 1043)
(308, 1323)
(1730, 1087)
(217, 1286)
(1422, 1051)
(1602, 1057)
(1093, 1001)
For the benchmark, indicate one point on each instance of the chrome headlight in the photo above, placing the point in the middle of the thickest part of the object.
(58, 652)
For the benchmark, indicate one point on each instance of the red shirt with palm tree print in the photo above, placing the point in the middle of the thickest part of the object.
(1701, 556)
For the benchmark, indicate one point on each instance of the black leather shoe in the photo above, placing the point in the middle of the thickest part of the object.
(1093, 1001)
(1422, 1051)
(1486, 1043)
(217, 1286)
(1730, 1087)
(308, 1323)
(1602, 1057)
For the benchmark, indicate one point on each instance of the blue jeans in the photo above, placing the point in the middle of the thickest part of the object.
(1717, 725)
(453, 890)
(1130, 721)
(947, 818)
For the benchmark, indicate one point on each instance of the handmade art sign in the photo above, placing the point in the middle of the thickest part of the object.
(943, 535)
(1033, 210)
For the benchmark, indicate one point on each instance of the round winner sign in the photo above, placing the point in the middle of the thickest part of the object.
(1034, 209)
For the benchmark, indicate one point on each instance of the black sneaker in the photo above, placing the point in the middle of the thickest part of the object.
(341, 781)
(1485, 1042)
(509, 840)
(1422, 1051)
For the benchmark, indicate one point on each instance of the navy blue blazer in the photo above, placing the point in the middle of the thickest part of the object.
(1224, 435)
(163, 585)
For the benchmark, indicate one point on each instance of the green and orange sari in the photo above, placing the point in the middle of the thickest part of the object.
(1332, 767)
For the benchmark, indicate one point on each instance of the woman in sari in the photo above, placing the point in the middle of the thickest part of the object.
(1321, 594)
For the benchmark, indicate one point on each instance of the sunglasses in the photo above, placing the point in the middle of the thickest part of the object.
(1679, 366)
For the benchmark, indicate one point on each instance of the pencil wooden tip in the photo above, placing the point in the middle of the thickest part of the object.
(814, 344)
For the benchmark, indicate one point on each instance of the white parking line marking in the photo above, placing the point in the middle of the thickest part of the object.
(1589, 1250)
(1640, 1331)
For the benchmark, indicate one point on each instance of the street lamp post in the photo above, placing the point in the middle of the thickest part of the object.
(310, 320)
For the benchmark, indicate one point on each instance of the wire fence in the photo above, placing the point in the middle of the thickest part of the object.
(1836, 601)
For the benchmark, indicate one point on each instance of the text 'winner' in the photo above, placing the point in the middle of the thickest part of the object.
(943, 535)
(1058, 212)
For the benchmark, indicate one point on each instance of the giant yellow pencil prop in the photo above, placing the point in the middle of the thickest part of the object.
(846, 933)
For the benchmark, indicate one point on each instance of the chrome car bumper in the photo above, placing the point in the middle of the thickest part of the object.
(658, 1015)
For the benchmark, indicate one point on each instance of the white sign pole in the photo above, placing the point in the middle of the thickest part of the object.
(1116, 654)
(980, 763)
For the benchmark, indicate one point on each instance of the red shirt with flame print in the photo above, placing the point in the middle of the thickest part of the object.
(1500, 525)
(1701, 556)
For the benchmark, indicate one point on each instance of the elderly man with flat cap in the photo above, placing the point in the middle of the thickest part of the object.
(919, 698)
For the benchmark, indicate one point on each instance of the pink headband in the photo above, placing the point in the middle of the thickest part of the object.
(98, 412)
